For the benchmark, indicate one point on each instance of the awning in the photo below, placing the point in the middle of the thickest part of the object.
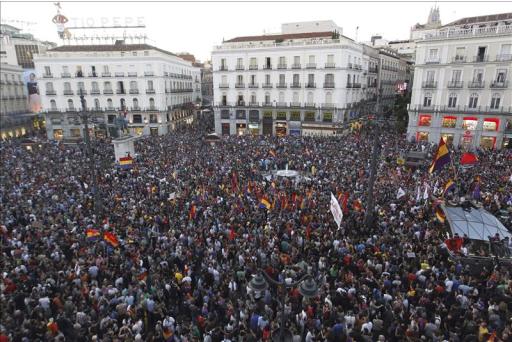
(477, 224)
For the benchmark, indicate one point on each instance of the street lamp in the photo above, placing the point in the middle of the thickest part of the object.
(84, 115)
(307, 288)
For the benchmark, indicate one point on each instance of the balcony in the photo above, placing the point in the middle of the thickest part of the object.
(71, 109)
(459, 109)
(47, 76)
(311, 66)
(135, 109)
(68, 92)
(330, 85)
(455, 84)
(295, 85)
(328, 105)
(81, 92)
(120, 91)
(349, 85)
(95, 92)
(266, 85)
(266, 104)
(108, 91)
(281, 104)
(309, 105)
(476, 84)
(267, 67)
(254, 104)
(150, 91)
(253, 85)
(356, 85)
(239, 67)
(349, 65)
(148, 73)
(281, 85)
(132, 74)
(311, 85)
(296, 66)
(65, 75)
(429, 85)
(253, 67)
(106, 74)
(240, 103)
(223, 68)
(499, 84)
(432, 61)
(504, 58)
(119, 74)
(134, 91)
(480, 59)
(459, 59)
(281, 66)
(79, 74)
(330, 65)
(223, 85)
(240, 85)
(295, 104)
(373, 70)
(93, 74)
(51, 92)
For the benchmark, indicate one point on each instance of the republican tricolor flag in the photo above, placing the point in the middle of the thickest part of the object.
(92, 233)
(441, 158)
(111, 239)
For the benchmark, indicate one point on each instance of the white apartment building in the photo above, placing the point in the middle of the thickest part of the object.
(461, 88)
(306, 80)
(392, 71)
(152, 88)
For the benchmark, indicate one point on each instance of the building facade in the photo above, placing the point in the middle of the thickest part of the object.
(392, 72)
(306, 80)
(15, 119)
(154, 90)
(461, 88)
(207, 83)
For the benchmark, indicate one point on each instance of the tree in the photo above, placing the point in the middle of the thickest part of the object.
(400, 111)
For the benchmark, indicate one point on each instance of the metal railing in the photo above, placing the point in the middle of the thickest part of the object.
(330, 65)
(223, 68)
(150, 91)
(68, 92)
(451, 32)
(239, 67)
(432, 61)
(296, 66)
(295, 104)
(120, 91)
(476, 84)
(459, 109)
(459, 59)
(455, 84)
(95, 92)
(134, 91)
(266, 85)
(480, 59)
(329, 85)
(295, 85)
(223, 85)
(149, 73)
(253, 67)
(309, 105)
(65, 75)
(239, 85)
(106, 74)
(47, 76)
(132, 74)
(281, 104)
(281, 66)
(281, 85)
(51, 92)
(267, 67)
(310, 85)
(253, 85)
(429, 85)
(503, 57)
(108, 91)
(499, 85)
(311, 66)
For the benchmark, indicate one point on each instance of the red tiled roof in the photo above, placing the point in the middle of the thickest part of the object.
(481, 19)
(112, 47)
(327, 34)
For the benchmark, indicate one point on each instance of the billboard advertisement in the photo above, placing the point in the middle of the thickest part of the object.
(34, 97)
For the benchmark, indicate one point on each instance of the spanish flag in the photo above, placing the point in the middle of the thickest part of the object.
(126, 162)
(442, 157)
(111, 238)
(440, 214)
(449, 186)
(264, 203)
(92, 233)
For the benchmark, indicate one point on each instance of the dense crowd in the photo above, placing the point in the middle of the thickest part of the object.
(192, 233)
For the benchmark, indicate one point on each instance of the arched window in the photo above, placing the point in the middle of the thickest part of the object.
(452, 100)
(53, 105)
(473, 100)
(71, 105)
(151, 103)
(495, 101)
(310, 97)
(135, 103)
(427, 100)
(328, 97)
(109, 104)
(122, 102)
(97, 103)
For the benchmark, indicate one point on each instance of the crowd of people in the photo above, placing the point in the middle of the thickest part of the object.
(191, 223)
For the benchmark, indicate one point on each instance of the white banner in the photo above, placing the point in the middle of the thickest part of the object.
(336, 210)
(400, 194)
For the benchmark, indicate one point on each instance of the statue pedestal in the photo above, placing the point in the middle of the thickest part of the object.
(124, 146)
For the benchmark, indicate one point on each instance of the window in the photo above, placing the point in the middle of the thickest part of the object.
(71, 105)
(81, 86)
(239, 63)
(151, 103)
(282, 61)
(96, 103)
(47, 70)
(282, 79)
(329, 78)
(427, 100)
(295, 116)
(296, 60)
(491, 124)
(153, 118)
(79, 72)
(281, 96)
(135, 103)
(67, 86)
(239, 79)
(267, 98)
(327, 117)
(109, 104)
(456, 75)
(49, 86)
(268, 63)
(311, 80)
(309, 116)
(133, 85)
(330, 59)
(449, 122)
(254, 62)
(53, 105)
(253, 79)
(432, 54)
(253, 97)
(295, 97)
(107, 85)
(501, 76)
(452, 100)
(65, 69)
(224, 99)
(310, 97)
(473, 100)
(460, 52)
(348, 79)
(431, 75)
(94, 86)
(296, 79)
(311, 59)
(495, 101)
(478, 75)
(105, 69)
(328, 98)
(224, 80)
(223, 64)
(137, 118)
(469, 123)
(425, 120)
(267, 79)
(150, 85)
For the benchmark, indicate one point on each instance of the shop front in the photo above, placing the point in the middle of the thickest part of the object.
(448, 138)
(225, 128)
(153, 131)
(281, 128)
(466, 140)
(137, 130)
(294, 128)
(267, 123)
(507, 141)
(58, 134)
(318, 130)
(488, 143)
(422, 136)
(254, 122)
(241, 128)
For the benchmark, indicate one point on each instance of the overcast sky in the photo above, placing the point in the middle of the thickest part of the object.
(197, 27)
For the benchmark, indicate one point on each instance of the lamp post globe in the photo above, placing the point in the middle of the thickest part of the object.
(258, 283)
(308, 288)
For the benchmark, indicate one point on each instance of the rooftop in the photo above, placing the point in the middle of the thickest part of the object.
(288, 36)
(481, 19)
(109, 48)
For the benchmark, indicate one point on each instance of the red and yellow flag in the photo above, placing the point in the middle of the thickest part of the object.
(111, 238)
(92, 233)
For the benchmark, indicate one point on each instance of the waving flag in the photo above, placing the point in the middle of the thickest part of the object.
(440, 214)
(126, 162)
(441, 158)
(400, 194)
(264, 203)
(454, 244)
(449, 186)
(468, 158)
(92, 233)
(192, 212)
(111, 238)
